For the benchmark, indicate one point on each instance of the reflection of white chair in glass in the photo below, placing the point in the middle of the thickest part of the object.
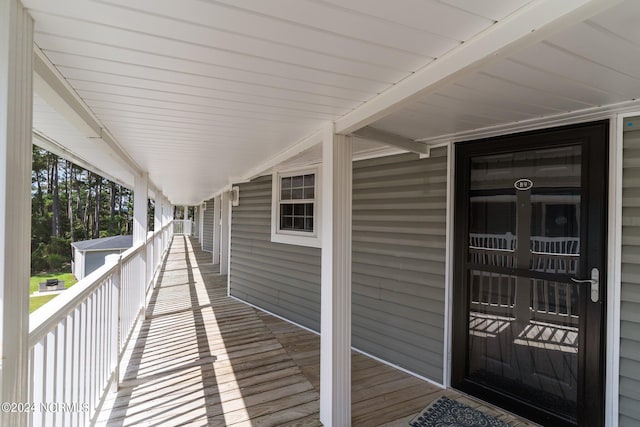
(555, 254)
(550, 301)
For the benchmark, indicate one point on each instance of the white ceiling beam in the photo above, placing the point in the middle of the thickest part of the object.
(61, 97)
(293, 150)
(530, 24)
(373, 134)
(56, 91)
(59, 150)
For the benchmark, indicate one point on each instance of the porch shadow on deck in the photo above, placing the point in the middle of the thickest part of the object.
(202, 358)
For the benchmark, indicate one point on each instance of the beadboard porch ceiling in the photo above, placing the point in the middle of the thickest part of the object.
(200, 92)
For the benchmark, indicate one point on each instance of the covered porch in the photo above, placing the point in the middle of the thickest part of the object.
(204, 358)
(337, 124)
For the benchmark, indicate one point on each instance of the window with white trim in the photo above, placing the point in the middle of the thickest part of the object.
(295, 208)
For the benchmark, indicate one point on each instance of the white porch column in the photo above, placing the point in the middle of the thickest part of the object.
(196, 222)
(185, 217)
(140, 203)
(335, 312)
(157, 214)
(201, 224)
(16, 106)
(157, 226)
(166, 212)
(169, 218)
(225, 216)
(217, 201)
(164, 221)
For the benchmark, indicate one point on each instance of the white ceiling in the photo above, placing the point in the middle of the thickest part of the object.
(198, 92)
(589, 65)
(50, 127)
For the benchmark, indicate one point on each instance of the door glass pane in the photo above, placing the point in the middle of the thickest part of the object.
(534, 196)
(531, 354)
(523, 330)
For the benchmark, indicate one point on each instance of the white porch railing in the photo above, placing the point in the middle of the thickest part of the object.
(182, 226)
(76, 341)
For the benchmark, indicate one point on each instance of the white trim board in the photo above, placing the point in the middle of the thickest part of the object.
(614, 269)
(614, 255)
(448, 300)
(52, 146)
(575, 117)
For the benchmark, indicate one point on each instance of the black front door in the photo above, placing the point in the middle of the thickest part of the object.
(529, 278)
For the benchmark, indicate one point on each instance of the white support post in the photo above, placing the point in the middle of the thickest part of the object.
(163, 221)
(140, 204)
(170, 217)
(163, 213)
(201, 224)
(217, 201)
(158, 244)
(185, 217)
(193, 220)
(140, 201)
(157, 214)
(335, 312)
(167, 212)
(16, 109)
(225, 212)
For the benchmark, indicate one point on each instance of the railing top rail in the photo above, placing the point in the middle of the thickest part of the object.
(556, 254)
(51, 314)
(487, 250)
(129, 253)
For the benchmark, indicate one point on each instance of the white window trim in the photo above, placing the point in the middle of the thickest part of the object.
(299, 238)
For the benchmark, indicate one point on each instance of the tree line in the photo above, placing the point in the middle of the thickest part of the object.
(70, 203)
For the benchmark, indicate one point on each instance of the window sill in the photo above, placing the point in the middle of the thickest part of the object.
(290, 239)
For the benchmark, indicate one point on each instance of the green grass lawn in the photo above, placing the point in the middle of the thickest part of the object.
(38, 301)
(68, 278)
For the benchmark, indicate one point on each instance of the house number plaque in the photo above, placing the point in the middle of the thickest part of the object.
(523, 184)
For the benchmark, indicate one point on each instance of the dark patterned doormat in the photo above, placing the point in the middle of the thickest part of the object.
(445, 412)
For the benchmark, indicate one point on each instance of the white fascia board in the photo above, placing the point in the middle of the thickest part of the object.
(562, 119)
(56, 91)
(294, 150)
(528, 25)
(53, 88)
(56, 148)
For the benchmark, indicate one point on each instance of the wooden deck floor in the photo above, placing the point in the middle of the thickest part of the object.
(202, 358)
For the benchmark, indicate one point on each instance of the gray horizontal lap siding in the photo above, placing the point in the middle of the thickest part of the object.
(399, 240)
(399, 205)
(283, 279)
(630, 290)
(207, 227)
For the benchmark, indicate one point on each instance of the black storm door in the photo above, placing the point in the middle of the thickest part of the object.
(529, 278)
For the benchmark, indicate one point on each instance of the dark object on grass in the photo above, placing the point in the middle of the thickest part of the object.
(51, 285)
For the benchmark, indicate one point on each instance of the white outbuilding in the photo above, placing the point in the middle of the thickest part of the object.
(89, 255)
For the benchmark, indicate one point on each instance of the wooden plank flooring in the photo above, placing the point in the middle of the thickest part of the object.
(201, 358)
